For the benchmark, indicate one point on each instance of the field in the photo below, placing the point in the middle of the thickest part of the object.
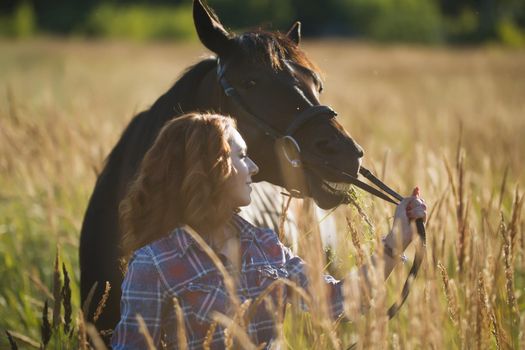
(449, 120)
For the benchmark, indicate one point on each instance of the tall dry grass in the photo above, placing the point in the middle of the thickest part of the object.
(450, 121)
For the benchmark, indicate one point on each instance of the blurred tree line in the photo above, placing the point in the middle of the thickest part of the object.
(422, 21)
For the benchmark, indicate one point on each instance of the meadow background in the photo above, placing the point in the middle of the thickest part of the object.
(450, 119)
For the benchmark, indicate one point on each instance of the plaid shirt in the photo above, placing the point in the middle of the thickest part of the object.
(175, 266)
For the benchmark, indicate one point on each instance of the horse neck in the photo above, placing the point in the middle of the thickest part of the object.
(194, 91)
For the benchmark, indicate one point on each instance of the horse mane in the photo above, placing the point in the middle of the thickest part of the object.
(182, 93)
(273, 48)
(144, 127)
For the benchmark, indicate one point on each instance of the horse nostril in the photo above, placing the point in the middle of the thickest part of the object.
(326, 147)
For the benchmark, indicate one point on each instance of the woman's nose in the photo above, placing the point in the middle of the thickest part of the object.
(254, 169)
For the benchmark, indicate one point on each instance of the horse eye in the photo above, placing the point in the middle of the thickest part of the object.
(249, 83)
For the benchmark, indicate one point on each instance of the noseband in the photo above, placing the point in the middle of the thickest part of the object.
(302, 118)
(321, 112)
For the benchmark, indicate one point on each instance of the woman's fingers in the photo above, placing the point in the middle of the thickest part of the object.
(414, 206)
(414, 202)
(416, 209)
(409, 209)
(418, 213)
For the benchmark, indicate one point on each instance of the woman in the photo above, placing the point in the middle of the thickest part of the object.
(184, 202)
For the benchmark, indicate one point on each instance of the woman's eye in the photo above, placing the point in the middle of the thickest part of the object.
(249, 83)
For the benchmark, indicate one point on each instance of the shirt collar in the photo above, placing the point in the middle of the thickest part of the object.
(183, 241)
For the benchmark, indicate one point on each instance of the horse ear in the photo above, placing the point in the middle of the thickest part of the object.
(211, 32)
(295, 32)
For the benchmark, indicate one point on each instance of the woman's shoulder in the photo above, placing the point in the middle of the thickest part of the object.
(169, 255)
(173, 244)
(267, 235)
(261, 233)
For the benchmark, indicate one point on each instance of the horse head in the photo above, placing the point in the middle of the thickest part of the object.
(270, 86)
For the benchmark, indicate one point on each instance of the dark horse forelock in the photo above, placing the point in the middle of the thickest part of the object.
(274, 48)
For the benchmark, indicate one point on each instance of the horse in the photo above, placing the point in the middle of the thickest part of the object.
(268, 84)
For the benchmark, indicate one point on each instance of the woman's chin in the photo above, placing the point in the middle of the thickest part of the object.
(247, 203)
(244, 202)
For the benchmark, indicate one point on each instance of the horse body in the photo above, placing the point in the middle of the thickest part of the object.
(274, 78)
(99, 240)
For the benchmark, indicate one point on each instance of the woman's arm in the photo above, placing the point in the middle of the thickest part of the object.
(142, 294)
(297, 271)
(396, 241)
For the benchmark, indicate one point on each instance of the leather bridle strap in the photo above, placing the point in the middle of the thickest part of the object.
(307, 160)
(308, 114)
(233, 94)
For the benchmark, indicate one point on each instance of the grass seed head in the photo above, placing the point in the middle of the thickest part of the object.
(102, 302)
(45, 329)
(66, 300)
(57, 296)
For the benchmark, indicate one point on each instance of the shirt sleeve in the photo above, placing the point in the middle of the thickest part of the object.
(142, 294)
(297, 272)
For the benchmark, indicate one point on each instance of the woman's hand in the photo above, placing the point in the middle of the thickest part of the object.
(409, 209)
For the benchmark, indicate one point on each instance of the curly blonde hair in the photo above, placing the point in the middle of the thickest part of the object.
(180, 181)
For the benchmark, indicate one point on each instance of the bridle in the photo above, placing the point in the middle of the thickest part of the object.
(305, 159)
(317, 112)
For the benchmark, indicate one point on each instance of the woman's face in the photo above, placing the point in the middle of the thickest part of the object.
(238, 185)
